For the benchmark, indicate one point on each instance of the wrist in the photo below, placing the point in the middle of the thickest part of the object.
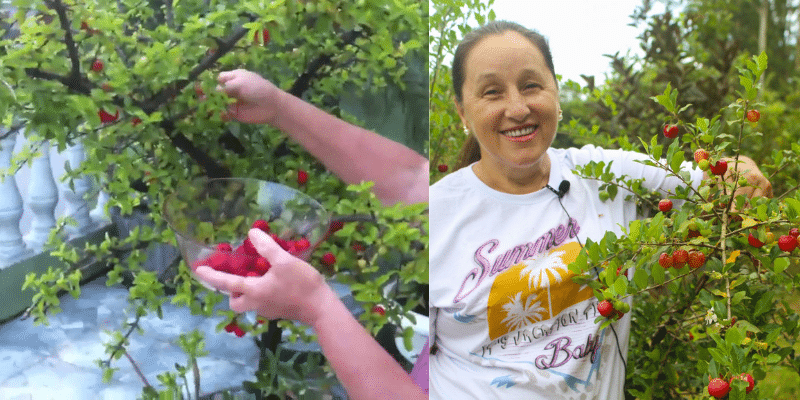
(275, 114)
(324, 304)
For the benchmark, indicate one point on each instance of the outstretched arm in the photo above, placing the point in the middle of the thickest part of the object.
(353, 153)
(292, 289)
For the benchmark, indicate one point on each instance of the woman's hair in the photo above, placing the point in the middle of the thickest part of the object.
(471, 151)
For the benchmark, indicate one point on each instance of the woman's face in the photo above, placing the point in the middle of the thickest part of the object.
(509, 101)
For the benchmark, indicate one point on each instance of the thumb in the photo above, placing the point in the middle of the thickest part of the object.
(268, 248)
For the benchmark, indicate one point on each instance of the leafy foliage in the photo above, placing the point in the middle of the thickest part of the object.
(134, 82)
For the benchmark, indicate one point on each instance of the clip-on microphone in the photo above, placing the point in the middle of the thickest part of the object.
(563, 188)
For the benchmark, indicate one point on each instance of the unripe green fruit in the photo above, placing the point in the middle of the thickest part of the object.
(604, 196)
(704, 165)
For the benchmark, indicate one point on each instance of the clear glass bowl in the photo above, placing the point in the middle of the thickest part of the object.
(206, 212)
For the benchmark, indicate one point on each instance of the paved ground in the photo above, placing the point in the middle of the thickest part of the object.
(59, 361)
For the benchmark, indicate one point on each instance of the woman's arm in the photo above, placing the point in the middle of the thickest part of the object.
(353, 153)
(292, 289)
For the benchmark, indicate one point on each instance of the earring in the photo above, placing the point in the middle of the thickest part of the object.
(466, 131)
(560, 115)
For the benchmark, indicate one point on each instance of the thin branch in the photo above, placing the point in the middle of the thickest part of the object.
(136, 368)
(69, 41)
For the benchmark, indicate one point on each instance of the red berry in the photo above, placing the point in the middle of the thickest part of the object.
(665, 260)
(231, 327)
(328, 259)
(252, 274)
(696, 259)
(680, 257)
(248, 248)
(97, 66)
(718, 388)
(700, 155)
(605, 308)
(443, 167)
(665, 205)
(754, 241)
(262, 265)
(265, 36)
(379, 309)
(302, 177)
(84, 25)
(224, 246)
(733, 321)
(747, 378)
(302, 244)
(719, 167)
(106, 117)
(238, 331)
(671, 131)
(794, 232)
(787, 243)
(136, 121)
(753, 115)
(261, 224)
(357, 247)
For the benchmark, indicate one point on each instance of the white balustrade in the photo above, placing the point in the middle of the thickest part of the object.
(46, 198)
(42, 199)
(12, 248)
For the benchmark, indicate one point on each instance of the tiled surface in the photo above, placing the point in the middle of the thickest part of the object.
(59, 361)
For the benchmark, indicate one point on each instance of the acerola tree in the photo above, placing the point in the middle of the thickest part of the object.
(135, 83)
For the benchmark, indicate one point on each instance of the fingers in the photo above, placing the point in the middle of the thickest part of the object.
(268, 248)
(220, 280)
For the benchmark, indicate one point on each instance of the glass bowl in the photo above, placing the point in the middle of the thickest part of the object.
(212, 217)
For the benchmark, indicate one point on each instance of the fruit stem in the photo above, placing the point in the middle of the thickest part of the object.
(136, 367)
(722, 237)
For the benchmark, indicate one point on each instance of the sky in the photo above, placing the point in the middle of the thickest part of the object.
(580, 32)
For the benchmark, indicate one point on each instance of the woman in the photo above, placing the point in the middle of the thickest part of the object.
(507, 321)
(293, 289)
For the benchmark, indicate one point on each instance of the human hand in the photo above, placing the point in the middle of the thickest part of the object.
(291, 289)
(256, 98)
(757, 184)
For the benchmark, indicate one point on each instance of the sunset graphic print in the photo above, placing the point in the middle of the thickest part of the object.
(534, 291)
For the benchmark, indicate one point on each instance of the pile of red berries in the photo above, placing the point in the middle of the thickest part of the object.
(787, 243)
(245, 260)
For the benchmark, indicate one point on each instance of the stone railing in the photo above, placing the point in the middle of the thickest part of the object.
(32, 199)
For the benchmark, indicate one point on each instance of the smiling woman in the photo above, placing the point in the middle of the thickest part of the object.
(507, 319)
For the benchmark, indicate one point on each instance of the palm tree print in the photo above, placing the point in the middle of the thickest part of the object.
(543, 271)
(521, 313)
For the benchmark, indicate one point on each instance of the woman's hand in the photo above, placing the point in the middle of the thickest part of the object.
(291, 289)
(757, 184)
(257, 99)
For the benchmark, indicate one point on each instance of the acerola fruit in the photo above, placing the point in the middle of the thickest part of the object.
(665, 205)
(231, 326)
(665, 260)
(747, 378)
(679, 258)
(302, 177)
(136, 121)
(379, 309)
(794, 232)
(753, 115)
(443, 167)
(106, 117)
(718, 388)
(328, 259)
(700, 155)
(262, 265)
(248, 248)
(97, 66)
(787, 243)
(261, 224)
(302, 244)
(265, 36)
(696, 259)
(239, 332)
(84, 25)
(336, 226)
(224, 246)
(754, 241)
(704, 165)
(671, 131)
(719, 168)
(605, 308)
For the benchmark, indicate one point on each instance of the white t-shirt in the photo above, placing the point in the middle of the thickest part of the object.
(508, 320)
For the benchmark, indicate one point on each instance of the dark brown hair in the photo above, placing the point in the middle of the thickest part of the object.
(471, 151)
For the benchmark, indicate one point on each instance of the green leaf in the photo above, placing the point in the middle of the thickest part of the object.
(640, 278)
